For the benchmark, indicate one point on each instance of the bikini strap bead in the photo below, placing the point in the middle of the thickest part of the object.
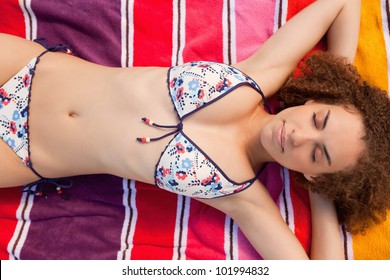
(143, 139)
(148, 121)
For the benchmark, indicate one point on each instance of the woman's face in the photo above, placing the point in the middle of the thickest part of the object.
(314, 138)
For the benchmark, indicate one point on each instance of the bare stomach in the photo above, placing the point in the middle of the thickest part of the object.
(85, 118)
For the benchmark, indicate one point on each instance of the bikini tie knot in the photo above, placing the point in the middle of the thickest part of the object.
(39, 187)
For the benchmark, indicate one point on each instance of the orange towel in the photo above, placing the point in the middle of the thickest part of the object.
(373, 62)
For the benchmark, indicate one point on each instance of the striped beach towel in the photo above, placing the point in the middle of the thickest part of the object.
(115, 218)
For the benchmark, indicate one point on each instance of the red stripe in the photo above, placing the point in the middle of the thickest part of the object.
(9, 203)
(302, 217)
(204, 23)
(294, 6)
(154, 233)
(12, 22)
(206, 226)
(206, 233)
(152, 32)
(12, 19)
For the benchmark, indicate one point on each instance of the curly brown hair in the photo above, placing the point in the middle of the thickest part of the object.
(361, 193)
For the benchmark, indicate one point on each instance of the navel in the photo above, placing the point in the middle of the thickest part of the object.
(72, 114)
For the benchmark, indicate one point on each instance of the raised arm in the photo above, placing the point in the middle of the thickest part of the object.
(259, 219)
(326, 242)
(272, 64)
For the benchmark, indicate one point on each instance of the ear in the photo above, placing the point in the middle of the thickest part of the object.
(310, 177)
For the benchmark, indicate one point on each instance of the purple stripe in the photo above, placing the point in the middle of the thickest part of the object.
(91, 27)
(87, 226)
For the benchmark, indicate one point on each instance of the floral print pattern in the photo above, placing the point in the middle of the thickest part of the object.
(183, 167)
(195, 84)
(14, 101)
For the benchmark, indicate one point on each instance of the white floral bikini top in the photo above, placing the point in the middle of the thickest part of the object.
(184, 168)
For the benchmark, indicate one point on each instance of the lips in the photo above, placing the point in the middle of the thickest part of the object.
(281, 139)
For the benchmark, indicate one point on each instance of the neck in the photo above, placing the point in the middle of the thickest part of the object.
(254, 148)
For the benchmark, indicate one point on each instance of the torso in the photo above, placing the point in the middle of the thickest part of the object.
(85, 119)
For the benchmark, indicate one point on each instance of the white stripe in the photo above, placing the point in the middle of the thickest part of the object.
(29, 19)
(127, 9)
(127, 239)
(233, 31)
(289, 205)
(349, 242)
(282, 206)
(22, 226)
(185, 228)
(283, 13)
(235, 241)
(385, 27)
(177, 48)
(228, 237)
(225, 39)
(226, 19)
(181, 234)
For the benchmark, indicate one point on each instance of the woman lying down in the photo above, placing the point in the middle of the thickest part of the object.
(207, 131)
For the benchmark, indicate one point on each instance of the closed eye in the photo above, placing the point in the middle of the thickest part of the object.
(315, 154)
(317, 123)
(324, 148)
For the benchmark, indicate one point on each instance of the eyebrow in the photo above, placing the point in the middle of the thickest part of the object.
(326, 119)
(328, 159)
(327, 155)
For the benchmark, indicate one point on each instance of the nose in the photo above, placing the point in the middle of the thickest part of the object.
(300, 137)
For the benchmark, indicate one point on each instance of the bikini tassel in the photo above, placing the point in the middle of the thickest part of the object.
(59, 190)
(38, 188)
(143, 139)
(41, 194)
(148, 121)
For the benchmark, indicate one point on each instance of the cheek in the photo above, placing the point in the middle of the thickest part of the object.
(296, 160)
